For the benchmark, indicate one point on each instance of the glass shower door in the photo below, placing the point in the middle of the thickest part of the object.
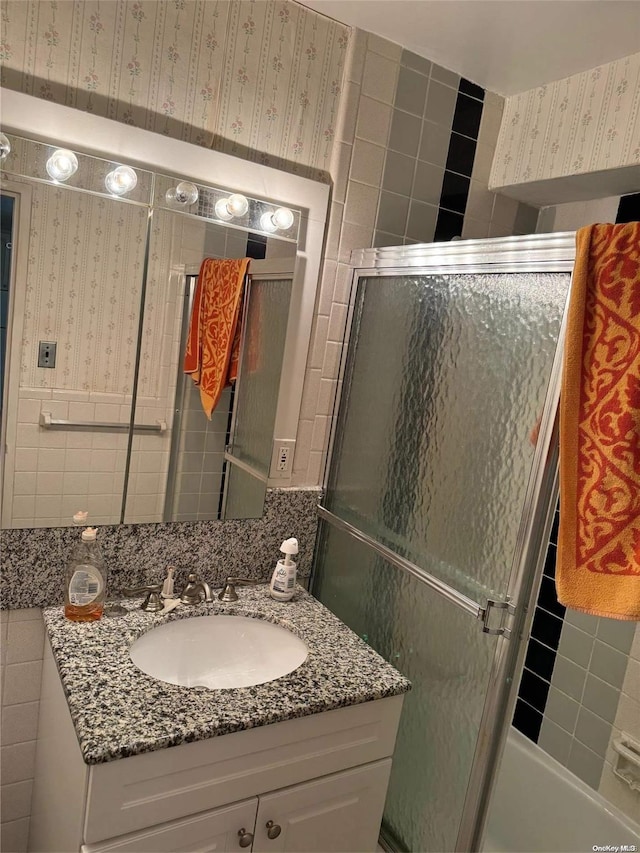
(445, 383)
(248, 456)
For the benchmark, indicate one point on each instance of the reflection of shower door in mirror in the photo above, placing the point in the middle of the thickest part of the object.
(219, 468)
(437, 501)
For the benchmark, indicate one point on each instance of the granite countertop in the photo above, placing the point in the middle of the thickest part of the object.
(120, 711)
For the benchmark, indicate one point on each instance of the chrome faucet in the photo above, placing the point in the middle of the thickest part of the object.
(196, 591)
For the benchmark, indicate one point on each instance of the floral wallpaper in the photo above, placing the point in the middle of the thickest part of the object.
(84, 282)
(584, 123)
(281, 84)
(256, 78)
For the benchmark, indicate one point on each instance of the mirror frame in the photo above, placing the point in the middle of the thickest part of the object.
(47, 122)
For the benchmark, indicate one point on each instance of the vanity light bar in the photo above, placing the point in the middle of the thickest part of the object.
(239, 211)
(46, 163)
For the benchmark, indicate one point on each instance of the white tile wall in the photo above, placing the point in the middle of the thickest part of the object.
(627, 720)
(51, 472)
(21, 653)
(356, 168)
(573, 215)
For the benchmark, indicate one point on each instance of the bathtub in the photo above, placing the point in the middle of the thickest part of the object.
(538, 805)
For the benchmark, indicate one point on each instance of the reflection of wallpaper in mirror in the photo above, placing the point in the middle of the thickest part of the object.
(84, 282)
(177, 241)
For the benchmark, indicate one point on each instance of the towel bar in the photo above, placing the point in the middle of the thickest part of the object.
(47, 422)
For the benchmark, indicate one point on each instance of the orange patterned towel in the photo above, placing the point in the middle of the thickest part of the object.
(598, 568)
(213, 345)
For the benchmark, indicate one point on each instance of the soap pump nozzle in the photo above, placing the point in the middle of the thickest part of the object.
(289, 547)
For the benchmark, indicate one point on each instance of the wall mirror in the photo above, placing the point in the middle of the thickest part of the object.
(104, 228)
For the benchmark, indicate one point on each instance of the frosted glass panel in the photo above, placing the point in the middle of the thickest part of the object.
(442, 650)
(245, 494)
(447, 380)
(257, 393)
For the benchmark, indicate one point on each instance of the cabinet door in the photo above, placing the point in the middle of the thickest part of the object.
(340, 813)
(217, 830)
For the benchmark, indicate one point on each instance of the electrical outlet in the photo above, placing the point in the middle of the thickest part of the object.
(282, 458)
(47, 353)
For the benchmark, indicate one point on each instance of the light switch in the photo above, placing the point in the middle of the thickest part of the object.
(47, 353)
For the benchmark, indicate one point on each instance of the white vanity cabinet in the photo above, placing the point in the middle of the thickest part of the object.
(313, 784)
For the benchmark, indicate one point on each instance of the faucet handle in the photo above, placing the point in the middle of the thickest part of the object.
(229, 593)
(152, 602)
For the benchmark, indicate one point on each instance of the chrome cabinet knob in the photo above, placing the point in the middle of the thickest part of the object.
(246, 838)
(273, 830)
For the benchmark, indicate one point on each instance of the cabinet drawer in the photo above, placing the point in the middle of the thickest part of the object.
(145, 790)
(215, 830)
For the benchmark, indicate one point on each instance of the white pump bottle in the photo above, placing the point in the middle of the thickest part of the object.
(283, 580)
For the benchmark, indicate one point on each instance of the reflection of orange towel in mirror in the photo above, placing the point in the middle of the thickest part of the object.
(213, 344)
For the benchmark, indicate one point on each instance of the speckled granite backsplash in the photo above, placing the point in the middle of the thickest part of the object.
(34, 560)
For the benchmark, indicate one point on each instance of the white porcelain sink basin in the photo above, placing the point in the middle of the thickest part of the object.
(218, 651)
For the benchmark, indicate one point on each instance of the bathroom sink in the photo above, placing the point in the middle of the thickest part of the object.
(218, 652)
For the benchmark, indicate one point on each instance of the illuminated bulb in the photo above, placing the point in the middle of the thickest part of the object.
(274, 220)
(237, 204)
(62, 164)
(121, 180)
(222, 210)
(5, 146)
(267, 223)
(234, 205)
(282, 218)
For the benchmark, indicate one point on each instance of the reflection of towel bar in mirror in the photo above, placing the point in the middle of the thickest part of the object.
(244, 466)
(48, 422)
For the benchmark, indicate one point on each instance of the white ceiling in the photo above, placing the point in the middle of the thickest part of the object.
(506, 46)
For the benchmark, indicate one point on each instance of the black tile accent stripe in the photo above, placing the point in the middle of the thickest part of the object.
(534, 690)
(469, 88)
(466, 119)
(448, 225)
(256, 246)
(629, 208)
(542, 648)
(455, 192)
(459, 164)
(462, 153)
(527, 720)
(540, 659)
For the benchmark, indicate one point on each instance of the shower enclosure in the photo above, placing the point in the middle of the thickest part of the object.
(440, 493)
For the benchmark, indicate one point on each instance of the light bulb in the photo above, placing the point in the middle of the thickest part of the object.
(222, 210)
(62, 165)
(121, 180)
(237, 204)
(283, 218)
(182, 196)
(187, 193)
(233, 205)
(267, 223)
(5, 146)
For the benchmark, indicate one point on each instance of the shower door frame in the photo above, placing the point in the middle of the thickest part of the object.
(544, 253)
